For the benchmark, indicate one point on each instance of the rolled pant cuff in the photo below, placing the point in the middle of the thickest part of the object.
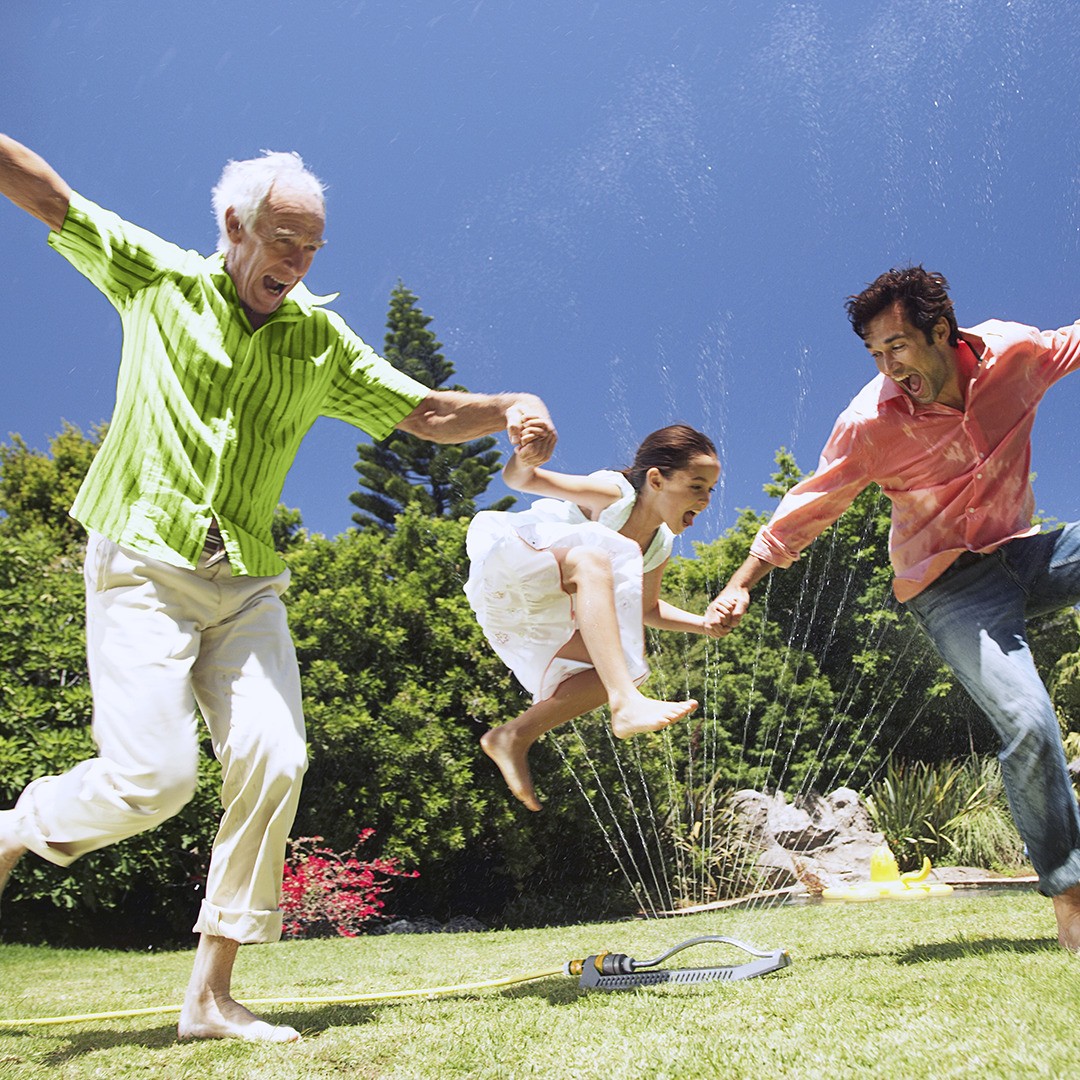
(245, 927)
(30, 834)
(1064, 877)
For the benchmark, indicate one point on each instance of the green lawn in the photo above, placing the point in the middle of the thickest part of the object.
(968, 985)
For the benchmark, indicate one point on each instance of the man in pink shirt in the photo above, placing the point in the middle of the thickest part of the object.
(945, 431)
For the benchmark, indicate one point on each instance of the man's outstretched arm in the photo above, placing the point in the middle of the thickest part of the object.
(452, 416)
(32, 184)
(724, 613)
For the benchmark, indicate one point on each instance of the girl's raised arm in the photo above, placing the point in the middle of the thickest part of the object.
(588, 492)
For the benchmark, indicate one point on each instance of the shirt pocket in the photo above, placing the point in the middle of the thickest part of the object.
(281, 397)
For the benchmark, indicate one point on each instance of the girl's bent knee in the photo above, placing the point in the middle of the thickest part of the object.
(582, 562)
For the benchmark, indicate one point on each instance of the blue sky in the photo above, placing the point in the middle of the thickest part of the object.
(643, 211)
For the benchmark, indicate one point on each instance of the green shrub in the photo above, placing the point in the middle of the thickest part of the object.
(399, 686)
(714, 862)
(144, 890)
(986, 835)
(949, 812)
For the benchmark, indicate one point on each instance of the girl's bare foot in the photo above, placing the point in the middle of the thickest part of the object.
(642, 714)
(511, 754)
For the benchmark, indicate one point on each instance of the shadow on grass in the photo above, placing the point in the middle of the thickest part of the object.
(74, 1045)
(309, 1022)
(314, 1021)
(960, 948)
(957, 949)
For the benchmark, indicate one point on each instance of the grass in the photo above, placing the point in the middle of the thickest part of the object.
(968, 985)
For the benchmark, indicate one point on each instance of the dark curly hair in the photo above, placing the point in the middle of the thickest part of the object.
(923, 294)
(669, 450)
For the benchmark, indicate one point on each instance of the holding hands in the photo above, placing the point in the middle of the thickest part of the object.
(729, 606)
(532, 436)
(724, 613)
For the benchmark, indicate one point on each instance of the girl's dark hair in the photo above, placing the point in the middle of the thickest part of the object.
(669, 450)
(924, 296)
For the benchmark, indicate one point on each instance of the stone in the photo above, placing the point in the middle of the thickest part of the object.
(817, 841)
(813, 841)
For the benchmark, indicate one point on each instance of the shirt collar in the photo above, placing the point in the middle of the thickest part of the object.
(299, 304)
(983, 356)
(890, 391)
(968, 359)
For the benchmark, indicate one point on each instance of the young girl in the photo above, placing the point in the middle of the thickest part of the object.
(561, 589)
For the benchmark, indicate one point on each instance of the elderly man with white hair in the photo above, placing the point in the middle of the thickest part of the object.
(226, 363)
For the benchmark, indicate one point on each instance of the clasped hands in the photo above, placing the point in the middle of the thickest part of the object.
(532, 436)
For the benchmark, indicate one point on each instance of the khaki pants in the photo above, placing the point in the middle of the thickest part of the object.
(161, 640)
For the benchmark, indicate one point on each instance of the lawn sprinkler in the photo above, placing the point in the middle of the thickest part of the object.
(617, 971)
(887, 883)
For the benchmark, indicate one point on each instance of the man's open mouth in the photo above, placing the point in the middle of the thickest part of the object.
(272, 285)
(913, 383)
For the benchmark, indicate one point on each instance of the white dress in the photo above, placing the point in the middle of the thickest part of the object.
(515, 586)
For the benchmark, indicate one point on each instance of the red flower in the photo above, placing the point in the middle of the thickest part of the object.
(325, 893)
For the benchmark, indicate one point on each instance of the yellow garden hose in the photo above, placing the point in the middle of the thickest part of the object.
(348, 999)
(602, 971)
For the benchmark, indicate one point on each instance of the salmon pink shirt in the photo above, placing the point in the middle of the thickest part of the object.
(957, 480)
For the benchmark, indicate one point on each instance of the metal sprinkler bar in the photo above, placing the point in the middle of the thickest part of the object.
(617, 971)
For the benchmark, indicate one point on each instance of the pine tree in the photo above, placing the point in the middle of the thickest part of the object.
(401, 470)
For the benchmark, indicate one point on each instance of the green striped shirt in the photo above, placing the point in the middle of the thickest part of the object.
(209, 415)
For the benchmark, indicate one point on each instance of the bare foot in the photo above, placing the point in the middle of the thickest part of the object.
(511, 754)
(210, 1018)
(209, 1010)
(1067, 910)
(641, 714)
(11, 851)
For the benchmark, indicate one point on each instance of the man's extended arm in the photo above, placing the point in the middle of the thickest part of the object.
(32, 184)
(806, 511)
(724, 613)
(452, 416)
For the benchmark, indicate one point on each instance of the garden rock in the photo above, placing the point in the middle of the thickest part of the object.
(815, 841)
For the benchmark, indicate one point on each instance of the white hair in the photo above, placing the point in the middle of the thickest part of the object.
(244, 186)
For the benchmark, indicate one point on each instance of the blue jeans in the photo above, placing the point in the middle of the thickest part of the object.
(975, 614)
